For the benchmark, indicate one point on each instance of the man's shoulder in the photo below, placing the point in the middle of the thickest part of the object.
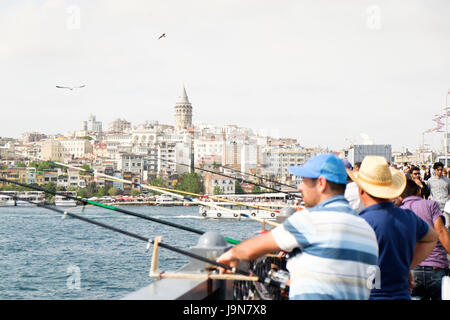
(431, 179)
(378, 211)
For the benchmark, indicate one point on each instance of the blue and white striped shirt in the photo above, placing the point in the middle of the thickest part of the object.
(334, 252)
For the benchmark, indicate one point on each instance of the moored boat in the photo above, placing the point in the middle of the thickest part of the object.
(263, 206)
(7, 199)
(233, 211)
(61, 201)
(30, 198)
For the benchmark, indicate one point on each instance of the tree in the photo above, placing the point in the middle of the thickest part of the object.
(216, 165)
(92, 189)
(83, 193)
(43, 165)
(60, 188)
(191, 182)
(51, 186)
(238, 188)
(86, 168)
(158, 182)
(256, 189)
(217, 190)
(135, 192)
(101, 192)
(112, 191)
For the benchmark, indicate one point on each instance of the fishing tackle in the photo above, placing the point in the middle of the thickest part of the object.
(266, 280)
(84, 201)
(234, 178)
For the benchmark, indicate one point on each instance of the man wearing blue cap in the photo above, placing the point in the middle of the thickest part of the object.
(333, 252)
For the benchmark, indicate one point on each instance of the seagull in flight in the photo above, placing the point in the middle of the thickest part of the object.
(162, 36)
(71, 88)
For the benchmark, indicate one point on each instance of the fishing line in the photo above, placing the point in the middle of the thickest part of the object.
(190, 193)
(98, 204)
(234, 178)
(256, 176)
(266, 280)
(158, 189)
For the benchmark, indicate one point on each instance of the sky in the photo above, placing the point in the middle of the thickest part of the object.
(324, 72)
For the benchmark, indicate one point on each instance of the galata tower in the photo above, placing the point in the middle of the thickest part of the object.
(183, 112)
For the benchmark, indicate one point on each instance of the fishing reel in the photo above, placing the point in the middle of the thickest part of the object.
(271, 266)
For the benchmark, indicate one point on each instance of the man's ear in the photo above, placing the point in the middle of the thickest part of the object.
(360, 191)
(322, 184)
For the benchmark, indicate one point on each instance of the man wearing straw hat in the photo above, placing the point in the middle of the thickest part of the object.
(404, 239)
(332, 250)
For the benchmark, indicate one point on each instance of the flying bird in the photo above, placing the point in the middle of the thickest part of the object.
(71, 88)
(162, 36)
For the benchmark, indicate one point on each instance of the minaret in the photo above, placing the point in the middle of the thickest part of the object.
(183, 112)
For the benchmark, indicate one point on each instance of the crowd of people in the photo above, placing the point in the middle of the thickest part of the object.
(368, 231)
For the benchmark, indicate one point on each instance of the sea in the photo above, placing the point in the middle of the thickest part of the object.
(46, 257)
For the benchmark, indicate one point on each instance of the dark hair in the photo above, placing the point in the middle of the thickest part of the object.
(337, 188)
(411, 189)
(414, 168)
(358, 164)
(437, 165)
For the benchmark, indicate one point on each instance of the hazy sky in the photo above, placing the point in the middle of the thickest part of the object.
(322, 72)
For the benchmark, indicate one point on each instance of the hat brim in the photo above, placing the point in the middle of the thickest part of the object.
(300, 171)
(384, 192)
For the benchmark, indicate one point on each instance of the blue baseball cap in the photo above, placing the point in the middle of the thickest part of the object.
(326, 165)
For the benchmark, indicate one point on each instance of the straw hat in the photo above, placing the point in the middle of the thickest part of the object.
(377, 179)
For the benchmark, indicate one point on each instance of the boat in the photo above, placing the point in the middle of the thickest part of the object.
(30, 198)
(165, 200)
(263, 206)
(25, 198)
(7, 198)
(61, 201)
(234, 211)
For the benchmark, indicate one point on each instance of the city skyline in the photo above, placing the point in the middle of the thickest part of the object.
(321, 73)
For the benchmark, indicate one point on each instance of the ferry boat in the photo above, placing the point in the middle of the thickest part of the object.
(61, 201)
(7, 198)
(264, 206)
(264, 211)
(24, 198)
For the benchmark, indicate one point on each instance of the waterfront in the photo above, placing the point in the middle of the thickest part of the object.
(42, 255)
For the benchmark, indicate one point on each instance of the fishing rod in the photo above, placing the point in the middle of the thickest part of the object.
(209, 204)
(158, 189)
(221, 174)
(260, 207)
(256, 176)
(102, 205)
(267, 280)
(234, 178)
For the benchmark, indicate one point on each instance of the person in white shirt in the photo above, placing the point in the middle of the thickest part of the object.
(351, 191)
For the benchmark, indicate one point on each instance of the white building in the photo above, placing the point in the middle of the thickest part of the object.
(119, 125)
(276, 160)
(91, 124)
(250, 157)
(75, 148)
(213, 181)
(51, 150)
(130, 162)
